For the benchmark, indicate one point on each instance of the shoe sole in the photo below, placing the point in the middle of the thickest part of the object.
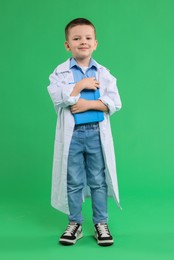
(69, 242)
(104, 242)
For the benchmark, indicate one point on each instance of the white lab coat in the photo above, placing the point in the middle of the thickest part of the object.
(60, 90)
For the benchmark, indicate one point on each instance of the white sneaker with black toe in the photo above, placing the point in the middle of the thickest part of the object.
(102, 235)
(72, 233)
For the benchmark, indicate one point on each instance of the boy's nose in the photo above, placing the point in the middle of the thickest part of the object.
(83, 41)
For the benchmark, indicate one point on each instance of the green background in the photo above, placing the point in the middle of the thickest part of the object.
(136, 39)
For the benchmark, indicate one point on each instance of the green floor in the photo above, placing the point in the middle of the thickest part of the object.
(144, 229)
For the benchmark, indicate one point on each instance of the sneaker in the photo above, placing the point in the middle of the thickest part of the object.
(71, 234)
(102, 235)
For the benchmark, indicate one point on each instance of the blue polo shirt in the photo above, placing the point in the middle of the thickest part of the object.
(89, 116)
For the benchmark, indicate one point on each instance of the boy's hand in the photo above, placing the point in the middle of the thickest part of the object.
(81, 106)
(86, 83)
(89, 83)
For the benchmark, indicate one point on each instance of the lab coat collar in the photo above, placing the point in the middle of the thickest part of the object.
(65, 67)
(73, 63)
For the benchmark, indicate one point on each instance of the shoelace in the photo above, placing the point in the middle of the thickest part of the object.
(103, 230)
(70, 229)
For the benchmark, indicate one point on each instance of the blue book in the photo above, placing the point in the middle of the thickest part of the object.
(89, 116)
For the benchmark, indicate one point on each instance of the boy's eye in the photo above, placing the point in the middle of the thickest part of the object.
(88, 38)
(76, 39)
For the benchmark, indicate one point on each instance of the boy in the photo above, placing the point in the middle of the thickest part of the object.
(84, 94)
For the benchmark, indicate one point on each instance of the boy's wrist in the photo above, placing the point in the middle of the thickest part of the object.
(77, 89)
(97, 105)
(79, 86)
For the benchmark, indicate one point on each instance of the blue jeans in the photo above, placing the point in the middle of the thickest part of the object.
(86, 165)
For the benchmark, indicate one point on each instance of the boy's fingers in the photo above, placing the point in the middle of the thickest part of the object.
(97, 82)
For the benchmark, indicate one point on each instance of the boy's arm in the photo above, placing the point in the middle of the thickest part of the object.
(64, 94)
(60, 91)
(110, 96)
(83, 105)
(108, 102)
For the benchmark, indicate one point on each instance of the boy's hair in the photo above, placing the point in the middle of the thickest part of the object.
(75, 22)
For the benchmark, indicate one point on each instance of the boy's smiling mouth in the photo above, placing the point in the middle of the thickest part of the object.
(83, 48)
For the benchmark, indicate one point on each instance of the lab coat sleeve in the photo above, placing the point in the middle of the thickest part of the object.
(60, 90)
(110, 96)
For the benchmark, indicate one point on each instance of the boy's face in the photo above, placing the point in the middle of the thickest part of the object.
(81, 42)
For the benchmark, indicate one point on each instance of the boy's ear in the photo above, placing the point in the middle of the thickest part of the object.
(67, 47)
(96, 44)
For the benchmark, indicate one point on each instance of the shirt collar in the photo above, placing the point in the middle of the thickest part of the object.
(74, 63)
